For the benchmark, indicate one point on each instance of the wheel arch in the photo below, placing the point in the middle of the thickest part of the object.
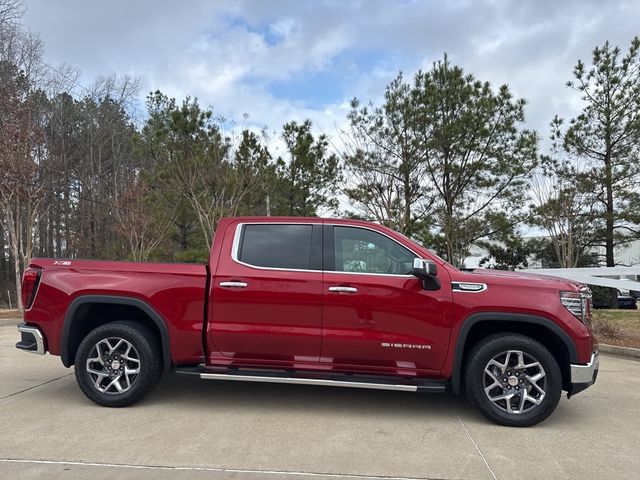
(480, 325)
(90, 311)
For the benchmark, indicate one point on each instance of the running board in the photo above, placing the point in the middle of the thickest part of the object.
(314, 378)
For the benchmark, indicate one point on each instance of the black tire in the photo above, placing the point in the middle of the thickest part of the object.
(494, 347)
(145, 351)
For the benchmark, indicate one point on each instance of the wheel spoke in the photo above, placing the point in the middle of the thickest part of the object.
(96, 359)
(523, 398)
(129, 359)
(507, 398)
(112, 349)
(532, 365)
(538, 388)
(118, 386)
(504, 396)
(507, 360)
(96, 372)
(535, 400)
(536, 377)
(494, 363)
(520, 357)
(496, 382)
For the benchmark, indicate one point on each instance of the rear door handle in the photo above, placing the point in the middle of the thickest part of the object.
(343, 289)
(234, 284)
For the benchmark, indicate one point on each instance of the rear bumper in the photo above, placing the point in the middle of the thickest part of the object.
(583, 376)
(31, 339)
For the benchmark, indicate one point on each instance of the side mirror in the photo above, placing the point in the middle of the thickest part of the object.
(426, 271)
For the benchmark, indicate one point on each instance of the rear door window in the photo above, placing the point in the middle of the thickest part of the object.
(276, 246)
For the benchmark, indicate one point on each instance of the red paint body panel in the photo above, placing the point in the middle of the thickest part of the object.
(368, 327)
(175, 291)
(516, 292)
(289, 319)
(275, 320)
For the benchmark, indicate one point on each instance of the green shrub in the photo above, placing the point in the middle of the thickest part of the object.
(601, 296)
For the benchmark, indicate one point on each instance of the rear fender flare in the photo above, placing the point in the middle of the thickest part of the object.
(70, 318)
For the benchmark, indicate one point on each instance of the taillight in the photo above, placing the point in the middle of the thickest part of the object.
(30, 281)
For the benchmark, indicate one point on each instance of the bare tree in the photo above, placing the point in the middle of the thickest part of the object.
(20, 151)
(141, 219)
(23, 49)
(564, 207)
(11, 11)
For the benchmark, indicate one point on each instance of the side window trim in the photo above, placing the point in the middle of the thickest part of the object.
(316, 247)
(326, 248)
(329, 252)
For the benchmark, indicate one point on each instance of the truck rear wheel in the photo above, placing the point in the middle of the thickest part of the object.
(118, 363)
(513, 380)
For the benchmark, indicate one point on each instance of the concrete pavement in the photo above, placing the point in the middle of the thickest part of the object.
(192, 429)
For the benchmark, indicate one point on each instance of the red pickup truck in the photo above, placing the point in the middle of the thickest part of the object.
(316, 301)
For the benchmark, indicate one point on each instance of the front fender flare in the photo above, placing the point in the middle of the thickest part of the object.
(456, 373)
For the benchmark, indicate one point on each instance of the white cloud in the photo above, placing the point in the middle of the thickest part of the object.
(228, 53)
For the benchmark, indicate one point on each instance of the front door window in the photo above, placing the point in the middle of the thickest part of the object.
(365, 251)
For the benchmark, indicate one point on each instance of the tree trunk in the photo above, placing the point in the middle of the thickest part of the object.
(406, 221)
(449, 235)
(609, 246)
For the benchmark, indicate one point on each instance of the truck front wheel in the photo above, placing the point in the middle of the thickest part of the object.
(513, 379)
(118, 363)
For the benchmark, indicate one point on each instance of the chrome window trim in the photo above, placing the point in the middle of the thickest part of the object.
(236, 245)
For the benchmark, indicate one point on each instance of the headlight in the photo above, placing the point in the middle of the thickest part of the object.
(578, 303)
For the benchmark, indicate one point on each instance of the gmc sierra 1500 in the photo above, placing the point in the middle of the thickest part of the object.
(315, 301)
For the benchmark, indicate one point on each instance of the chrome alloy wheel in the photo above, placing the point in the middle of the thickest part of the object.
(113, 365)
(515, 382)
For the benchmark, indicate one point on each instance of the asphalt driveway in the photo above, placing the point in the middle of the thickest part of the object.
(189, 428)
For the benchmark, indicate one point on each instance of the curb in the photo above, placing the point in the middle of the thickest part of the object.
(621, 351)
(8, 322)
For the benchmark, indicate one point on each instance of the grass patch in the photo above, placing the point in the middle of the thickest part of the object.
(617, 327)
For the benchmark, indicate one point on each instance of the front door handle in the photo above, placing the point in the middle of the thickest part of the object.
(343, 289)
(234, 284)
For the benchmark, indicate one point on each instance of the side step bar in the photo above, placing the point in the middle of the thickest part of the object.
(329, 380)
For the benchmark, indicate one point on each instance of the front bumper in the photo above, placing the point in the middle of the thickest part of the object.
(31, 340)
(583, 376)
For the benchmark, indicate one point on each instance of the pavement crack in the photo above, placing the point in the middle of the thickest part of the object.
(280, 473)
(35, 386)
(475, 444)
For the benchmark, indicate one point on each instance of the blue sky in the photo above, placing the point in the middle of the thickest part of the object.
(288, 60)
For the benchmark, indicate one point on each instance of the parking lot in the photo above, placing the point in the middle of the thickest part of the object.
(188, 428)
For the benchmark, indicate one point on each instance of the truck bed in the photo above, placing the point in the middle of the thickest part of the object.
(176, 292)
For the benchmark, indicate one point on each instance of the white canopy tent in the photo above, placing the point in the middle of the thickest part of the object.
(595, 276)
